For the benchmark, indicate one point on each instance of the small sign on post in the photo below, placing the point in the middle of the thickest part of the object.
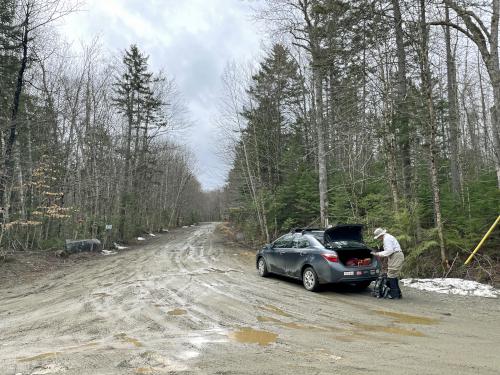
(108, 228)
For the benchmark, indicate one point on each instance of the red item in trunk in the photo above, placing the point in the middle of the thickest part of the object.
(352, 262)
(356, 262)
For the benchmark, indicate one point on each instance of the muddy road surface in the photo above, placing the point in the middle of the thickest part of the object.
(189, 302)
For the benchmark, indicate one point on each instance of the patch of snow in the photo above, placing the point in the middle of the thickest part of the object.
(214, 335)
(152, 234)
(453, 286)
(119, 247)
(141, 239)
(185, 226)
(165, 230)
(188, 354)
(108, 252)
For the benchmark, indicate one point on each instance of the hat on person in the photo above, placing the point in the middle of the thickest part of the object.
(378, 232)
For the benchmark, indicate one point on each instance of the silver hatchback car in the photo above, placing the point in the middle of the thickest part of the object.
(315, 256)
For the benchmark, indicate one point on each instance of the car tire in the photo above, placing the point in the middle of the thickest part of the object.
(262, 267)
(310, 279)
(362, 285)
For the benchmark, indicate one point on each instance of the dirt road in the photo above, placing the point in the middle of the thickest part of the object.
(190, 303)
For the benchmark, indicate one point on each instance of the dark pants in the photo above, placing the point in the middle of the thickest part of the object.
(393, 284)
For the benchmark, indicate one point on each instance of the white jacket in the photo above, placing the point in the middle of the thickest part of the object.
(391, 246)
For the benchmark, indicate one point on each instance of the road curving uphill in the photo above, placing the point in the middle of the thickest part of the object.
(189, 302)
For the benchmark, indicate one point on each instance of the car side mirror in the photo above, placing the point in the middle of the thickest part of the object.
(269, 246)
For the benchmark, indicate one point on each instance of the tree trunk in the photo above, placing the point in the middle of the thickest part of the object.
(126, 173)
(401, 115)
(20, 181)
(453, 112)
(389, 143)
(433, 154)
(7, 171)
(323, 184)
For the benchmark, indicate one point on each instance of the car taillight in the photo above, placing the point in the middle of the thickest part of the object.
(331, 257)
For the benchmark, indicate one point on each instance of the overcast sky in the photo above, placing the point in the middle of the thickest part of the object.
(192, 41)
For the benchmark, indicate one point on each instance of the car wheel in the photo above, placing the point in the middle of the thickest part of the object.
(310, 279)
(262, 267)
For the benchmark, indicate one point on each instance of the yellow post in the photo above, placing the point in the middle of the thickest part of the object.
(482, 241)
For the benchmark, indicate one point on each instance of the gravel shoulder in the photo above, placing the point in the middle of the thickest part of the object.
(190, 302)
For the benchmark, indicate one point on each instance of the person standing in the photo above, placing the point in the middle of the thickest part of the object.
(391, 250)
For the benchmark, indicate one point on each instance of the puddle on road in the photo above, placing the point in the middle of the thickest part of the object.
(387, 329)
(406, 318)
(82, 346)
(267, 319)
(144, 370)
(130, 340)
(275, 310)
(293, 325)
(38, 357)
(177, 312)
(69, 349)
(248, 335)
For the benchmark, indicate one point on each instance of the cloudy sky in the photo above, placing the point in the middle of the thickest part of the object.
(192, 41)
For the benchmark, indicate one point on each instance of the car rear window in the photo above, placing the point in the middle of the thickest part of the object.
(318, 235)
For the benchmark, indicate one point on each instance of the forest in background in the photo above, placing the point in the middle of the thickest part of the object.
(86, 137)
(380, 112)
(384, 113)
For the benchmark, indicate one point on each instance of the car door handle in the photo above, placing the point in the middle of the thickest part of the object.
(282, 252)
(302, 253)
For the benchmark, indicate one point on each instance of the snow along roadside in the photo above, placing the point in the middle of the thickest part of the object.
(453, 286)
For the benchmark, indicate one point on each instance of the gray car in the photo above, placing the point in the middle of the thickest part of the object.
(334, 255)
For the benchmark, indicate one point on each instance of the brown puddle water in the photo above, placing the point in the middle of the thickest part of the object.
(293, 325)
(69, 349)
(176, 312)
(38, 357)
(275, 310)
(386, 329)
(130, 340)
(144, 370)
(248, 335)
(406, 318)
(267, 319)
(82, 346)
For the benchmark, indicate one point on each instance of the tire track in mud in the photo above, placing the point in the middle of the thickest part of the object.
(181, 303)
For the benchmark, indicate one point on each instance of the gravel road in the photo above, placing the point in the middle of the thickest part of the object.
(189, 302)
